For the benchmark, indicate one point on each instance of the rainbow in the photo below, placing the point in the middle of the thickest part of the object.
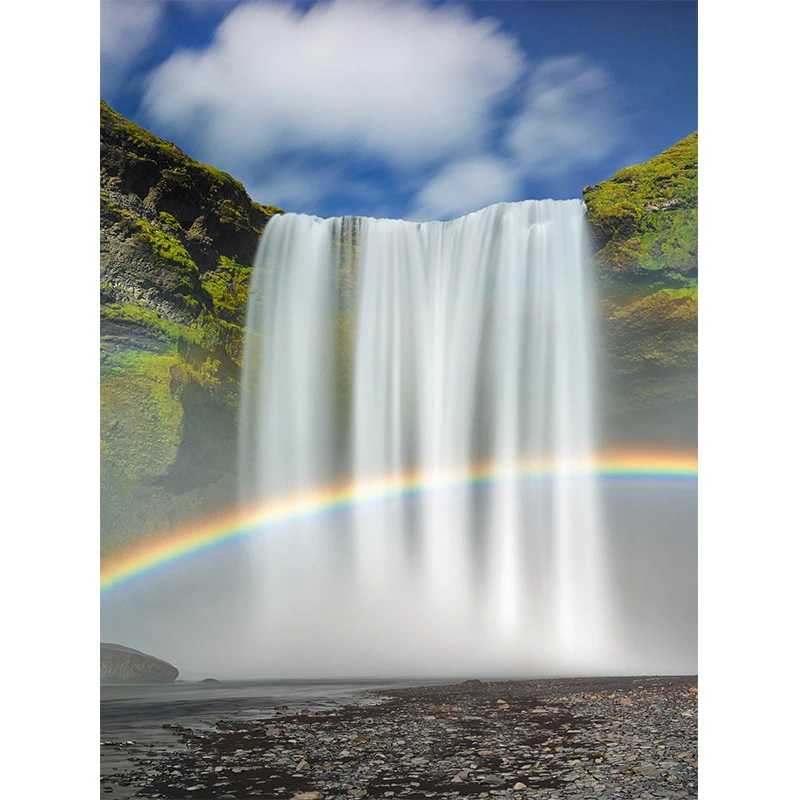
(172, 546)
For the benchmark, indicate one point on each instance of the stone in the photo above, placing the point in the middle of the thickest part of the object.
(648, 771)
(120, 664)
(308, 796)
(640, 751)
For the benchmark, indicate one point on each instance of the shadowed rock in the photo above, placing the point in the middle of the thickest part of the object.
(120, 664)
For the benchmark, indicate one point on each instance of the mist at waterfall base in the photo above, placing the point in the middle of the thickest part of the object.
(377, 350)
(382, 348)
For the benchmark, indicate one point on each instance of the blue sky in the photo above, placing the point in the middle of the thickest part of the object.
(422, 110)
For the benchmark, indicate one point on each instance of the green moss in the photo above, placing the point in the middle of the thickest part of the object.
(170, 391)
(270, 211)
(217, 192)
(221, 178)
(170, 223)
(228, 285)
(656, 332)
(229, 214)
(118, 213)
(166, 247)
(644, 218)
(141, 415)
(150, 320)
(644, 223)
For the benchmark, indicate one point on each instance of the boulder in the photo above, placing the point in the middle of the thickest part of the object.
(120, 664)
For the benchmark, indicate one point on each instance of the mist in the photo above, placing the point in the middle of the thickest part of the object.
(381, 349)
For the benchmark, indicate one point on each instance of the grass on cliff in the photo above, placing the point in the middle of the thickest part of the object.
(645, 217)
(174, 173)
(145, 318)
(143, 144)
(217, 299)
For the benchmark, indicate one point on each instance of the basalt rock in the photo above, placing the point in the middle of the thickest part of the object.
(119, 664)
(177, 239)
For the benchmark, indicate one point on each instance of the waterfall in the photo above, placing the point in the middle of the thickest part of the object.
(451, 364)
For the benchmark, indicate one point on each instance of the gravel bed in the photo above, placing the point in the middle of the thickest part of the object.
(599, 738)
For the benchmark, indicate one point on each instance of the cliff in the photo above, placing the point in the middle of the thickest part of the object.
(644, 225)
(176, 247)
(177, 240)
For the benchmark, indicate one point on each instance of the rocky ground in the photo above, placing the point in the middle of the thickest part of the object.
(597, 738)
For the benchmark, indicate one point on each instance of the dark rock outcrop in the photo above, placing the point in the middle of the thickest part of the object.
(120, 664)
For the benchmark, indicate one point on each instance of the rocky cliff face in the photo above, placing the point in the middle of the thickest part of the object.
(644, 223)
(177, 243)
(177, 240)
(120, 664)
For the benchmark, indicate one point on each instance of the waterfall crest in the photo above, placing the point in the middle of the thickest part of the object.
(406, 353)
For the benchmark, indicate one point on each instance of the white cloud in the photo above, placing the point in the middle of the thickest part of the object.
(405, 82)
(126, 28)
(296, 188)
(465, 186)
(571, 116)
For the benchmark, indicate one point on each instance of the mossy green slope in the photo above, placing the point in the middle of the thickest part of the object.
(644, 224)
(150, 168)
(644, 218)
(177, 242)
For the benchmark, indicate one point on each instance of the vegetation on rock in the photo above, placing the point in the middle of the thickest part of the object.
(177, 242)
(644, 225)
(136, 162)
(644, 218)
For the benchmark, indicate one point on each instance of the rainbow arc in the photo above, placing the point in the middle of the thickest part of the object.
(172, 546)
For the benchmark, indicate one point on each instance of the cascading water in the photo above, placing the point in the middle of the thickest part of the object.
(439, 360)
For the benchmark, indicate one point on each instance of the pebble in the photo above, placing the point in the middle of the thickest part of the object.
(561, 738)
